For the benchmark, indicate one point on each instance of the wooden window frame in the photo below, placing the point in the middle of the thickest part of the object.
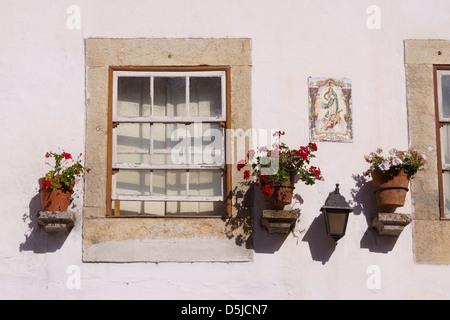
(439, 123)
(111, 124)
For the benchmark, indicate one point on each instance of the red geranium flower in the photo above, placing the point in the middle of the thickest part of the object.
(267, 189)
(312, 146)
(66, 155)
(241, 164)
(47, 183)
(246, 174)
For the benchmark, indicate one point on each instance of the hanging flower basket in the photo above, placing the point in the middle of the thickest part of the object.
(55, 200)
(278, 196)
(390, 191)
(275, 169)
(391, 174)
(56, 187)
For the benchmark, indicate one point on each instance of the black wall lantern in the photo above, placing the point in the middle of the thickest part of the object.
(336, 211)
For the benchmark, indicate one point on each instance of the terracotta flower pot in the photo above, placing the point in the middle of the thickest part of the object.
(390, 191)
(57, 200)
(281, 195)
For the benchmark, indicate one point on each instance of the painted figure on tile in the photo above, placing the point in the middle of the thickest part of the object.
(330, 110)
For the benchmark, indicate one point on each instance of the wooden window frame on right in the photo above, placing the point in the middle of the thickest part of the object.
(441, 122)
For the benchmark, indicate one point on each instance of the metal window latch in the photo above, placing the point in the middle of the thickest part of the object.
(114, 171)
(115, 124)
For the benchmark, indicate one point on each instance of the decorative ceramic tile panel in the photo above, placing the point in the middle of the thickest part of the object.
(330, 109)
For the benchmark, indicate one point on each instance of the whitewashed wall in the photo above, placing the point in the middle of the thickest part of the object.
(42, 107)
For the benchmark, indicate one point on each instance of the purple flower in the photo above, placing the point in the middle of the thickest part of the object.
(396, 161)
(385, 166)
(393, 152)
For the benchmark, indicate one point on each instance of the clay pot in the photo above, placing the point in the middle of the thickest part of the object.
(390, 191)
(57, 200)
(281, 195)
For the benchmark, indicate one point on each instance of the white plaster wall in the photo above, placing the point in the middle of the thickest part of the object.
(42, 94)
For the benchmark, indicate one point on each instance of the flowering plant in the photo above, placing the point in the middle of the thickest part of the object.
(409, 161)
(65, 171)
(273, 167)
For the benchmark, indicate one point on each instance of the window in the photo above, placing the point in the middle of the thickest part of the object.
(143, 107)
(167, 142)
(442, 91)
(426, 113)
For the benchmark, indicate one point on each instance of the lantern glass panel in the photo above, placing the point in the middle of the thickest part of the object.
(337, 221)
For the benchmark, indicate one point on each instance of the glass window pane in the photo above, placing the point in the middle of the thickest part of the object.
(196, 208)
(445, 147)
(445, 91)
(169, 97)
(141, 208)
(133, 182)
(205, 183)
(133, 97)
(207, 143)
(446, 183)
(205, 96)
(133, 143)
(169, 143)
(169, 182)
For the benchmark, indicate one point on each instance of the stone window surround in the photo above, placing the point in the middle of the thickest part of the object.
(431, 234)
(214, 239)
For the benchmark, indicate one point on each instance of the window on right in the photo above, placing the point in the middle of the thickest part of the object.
(442, 101)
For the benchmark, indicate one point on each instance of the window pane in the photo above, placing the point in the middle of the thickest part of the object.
(446, 179)
(140, 208)
(207, 143)
(173, 208)
(169, 97)
(133, 182)
(445, 147)
(205, 96)
(445, 87)
(169, 144)
(133, 97)
(205, 183)
(169, 182)
(133, 143)
(196, 208)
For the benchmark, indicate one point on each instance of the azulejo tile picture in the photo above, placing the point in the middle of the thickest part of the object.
(330, 109)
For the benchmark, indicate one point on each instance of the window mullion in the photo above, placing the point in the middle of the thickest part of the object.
(187, 183)
(188, 98)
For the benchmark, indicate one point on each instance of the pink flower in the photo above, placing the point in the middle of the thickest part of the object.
(385, 166)
(393, 152)
(279, 133)
(275, 153)
(397, 161)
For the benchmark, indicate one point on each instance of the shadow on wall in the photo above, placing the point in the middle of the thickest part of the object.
(239, 226)
(320, 244)
(364, 202)
(250, 204)
(263, 241)
(36, 239)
